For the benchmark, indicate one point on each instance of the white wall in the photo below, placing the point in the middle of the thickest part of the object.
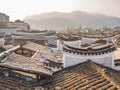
(20, 35)
(22, 25)
(8, 46)
(76, 44)
(86, 40)
(59, 44)
(116, 68)
(2, 42)
(36, 36)
(4, 17)
(51, 39)
(17, 37)
(55, 51)
(73, 59)
(24, 35)
(9, 31)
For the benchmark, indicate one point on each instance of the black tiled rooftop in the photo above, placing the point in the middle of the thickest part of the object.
(84, 76)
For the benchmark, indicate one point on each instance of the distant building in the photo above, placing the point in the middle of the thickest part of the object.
(41, 37)
(12, 27)
(21, 25)
(23, 36)
(89, 38)
(71, 40)
(4, 17)
(9, 31)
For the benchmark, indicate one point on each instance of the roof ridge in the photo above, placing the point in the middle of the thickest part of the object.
(94, 65)
(34, 55)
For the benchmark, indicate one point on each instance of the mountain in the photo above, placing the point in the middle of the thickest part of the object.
(59, 21)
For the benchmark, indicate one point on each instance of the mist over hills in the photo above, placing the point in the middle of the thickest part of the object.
(58, 20)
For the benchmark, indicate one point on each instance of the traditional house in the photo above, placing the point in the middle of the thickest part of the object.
(32, 59)
(83, 76)
(22, 37)
(34, 67)
(23, 66)
(99, 51)
(68, 39)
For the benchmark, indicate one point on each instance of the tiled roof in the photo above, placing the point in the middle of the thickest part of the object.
(44, 51)
(50, 33)
(2, 49)
(97, 36)
(8, 40)
(52, 45)
(68, 37)
(97, 40)
(90, 50)
(84, 76)
(2, 35)
(8, 83)
(34, 64)
(49, 63)
(23, 41)
(27, 64)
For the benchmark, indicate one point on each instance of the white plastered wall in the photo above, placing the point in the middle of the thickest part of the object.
(76, 44)
(86, 40)
(70, 59)
(2, 42)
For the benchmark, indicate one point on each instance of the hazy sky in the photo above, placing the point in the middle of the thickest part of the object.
(18, 9)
